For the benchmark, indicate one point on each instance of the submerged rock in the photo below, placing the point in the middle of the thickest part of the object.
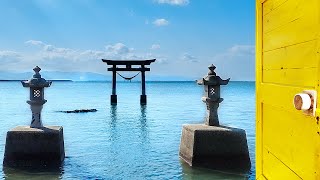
(80, 111)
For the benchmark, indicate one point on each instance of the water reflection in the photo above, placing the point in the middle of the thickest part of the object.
(113, 123)
(143, 124)
(113, 116)
(203, 173)
(34, 173)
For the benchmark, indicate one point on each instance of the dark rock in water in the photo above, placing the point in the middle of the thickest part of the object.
(80, 111)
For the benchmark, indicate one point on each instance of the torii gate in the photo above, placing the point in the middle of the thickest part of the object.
(128, 67)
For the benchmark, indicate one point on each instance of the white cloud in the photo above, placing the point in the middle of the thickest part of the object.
(161, 60)
(52, 52)
(34, 42)
(174, 2)
(53, 58)
(9, 54)
(92, 54)
(236, 62)
(9, 57)
(155, 46)
(189, 58)
(52, 49)
(118, 48)
(161, 22)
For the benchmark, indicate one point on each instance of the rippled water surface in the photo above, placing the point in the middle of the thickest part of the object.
(127, 141)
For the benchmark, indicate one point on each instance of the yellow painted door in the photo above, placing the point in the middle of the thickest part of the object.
(287, 61)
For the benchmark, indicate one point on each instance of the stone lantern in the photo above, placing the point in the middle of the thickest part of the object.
(36, 145)
(211, 96)
(36, 85)
(209, 144)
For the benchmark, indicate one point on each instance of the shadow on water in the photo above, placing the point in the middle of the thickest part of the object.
(79, 170)
(143, 123)
(34, 173)
(113, 124)
(204, 173)
(113, 113)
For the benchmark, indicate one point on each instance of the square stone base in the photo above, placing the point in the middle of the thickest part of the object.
(222, 148)
(31, 147)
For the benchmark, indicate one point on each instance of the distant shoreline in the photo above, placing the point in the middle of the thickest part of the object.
(119, 81)
(5, 80)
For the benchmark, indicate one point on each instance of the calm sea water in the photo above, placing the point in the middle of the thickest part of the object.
(127, 141)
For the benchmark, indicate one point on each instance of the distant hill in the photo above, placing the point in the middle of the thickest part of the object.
(84, 76)
(74, 76)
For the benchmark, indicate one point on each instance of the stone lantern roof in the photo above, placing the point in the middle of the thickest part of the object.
(212, 78)
(36, 81)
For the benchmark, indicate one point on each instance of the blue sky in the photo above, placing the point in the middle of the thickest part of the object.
(185, 36)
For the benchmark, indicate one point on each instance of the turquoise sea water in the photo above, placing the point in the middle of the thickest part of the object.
(127, 141)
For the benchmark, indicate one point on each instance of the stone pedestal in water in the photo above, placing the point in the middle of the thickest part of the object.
(223, 148)
(35, 145)
(210, 144)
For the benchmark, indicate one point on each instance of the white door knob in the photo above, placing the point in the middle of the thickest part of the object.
(302, 101)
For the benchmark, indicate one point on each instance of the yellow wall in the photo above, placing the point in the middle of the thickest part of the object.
(287, 61)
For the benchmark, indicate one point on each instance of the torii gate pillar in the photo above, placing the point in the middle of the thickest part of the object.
(113, 96)
(128, 67)
(143, 97)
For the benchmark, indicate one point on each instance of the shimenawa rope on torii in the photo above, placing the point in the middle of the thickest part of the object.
(128, 78)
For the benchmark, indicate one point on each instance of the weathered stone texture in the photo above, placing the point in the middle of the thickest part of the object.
(212, 146)
(27, 147)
